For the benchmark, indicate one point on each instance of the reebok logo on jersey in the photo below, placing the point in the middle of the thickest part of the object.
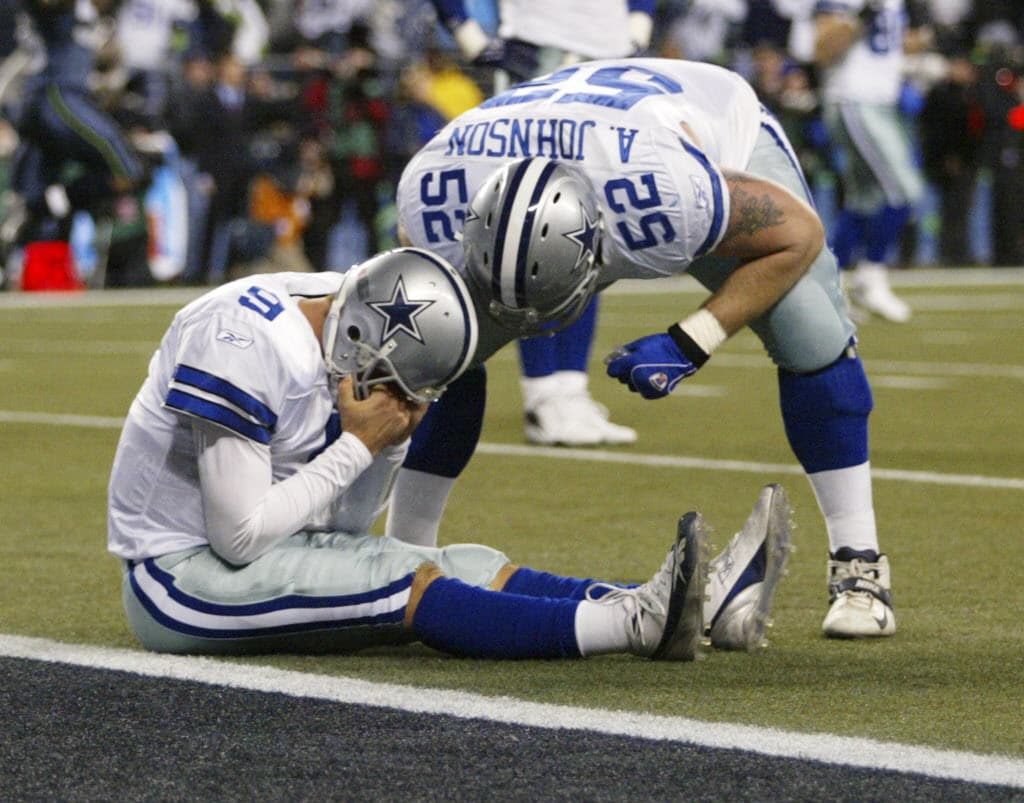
(235, 339)
(700, 194)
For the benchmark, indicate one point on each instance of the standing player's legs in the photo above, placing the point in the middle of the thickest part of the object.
(825, 400)
(881, 187)
(558, 409)
(68, 125)
(441, 447)
(557, 406)
(78, 160)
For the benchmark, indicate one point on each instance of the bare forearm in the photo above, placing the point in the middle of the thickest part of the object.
(776, 236)
(753, 289)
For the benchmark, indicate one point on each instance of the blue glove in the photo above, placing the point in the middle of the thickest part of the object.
(652, 366)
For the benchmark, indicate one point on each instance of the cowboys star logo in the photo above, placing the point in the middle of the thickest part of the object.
(399, 312)
(585, 238)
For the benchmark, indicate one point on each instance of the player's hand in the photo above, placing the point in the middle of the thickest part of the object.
(651, 366)
(519, 59)
(384, 418)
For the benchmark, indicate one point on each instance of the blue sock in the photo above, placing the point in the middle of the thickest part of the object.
(473, 622)
(447, 436)
(567, 350)
(538, 355)
(883, 234)
(573, 343)
(826, 415)
(847, 237)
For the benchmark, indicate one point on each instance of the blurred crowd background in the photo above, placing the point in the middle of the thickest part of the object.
(274, 131)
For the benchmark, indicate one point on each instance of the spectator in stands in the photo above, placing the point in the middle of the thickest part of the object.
(950, 127)
(1002, 152)
(358, 110)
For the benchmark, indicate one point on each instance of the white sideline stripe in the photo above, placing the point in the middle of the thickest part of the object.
(167, 296)
(876, 366)
(667, 461)
(61, 420)
(858, 752)
(597, 456)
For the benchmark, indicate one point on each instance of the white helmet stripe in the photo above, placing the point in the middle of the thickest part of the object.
(515, 225)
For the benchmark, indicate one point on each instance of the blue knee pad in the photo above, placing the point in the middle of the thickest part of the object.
(826, 414)
(447, 436)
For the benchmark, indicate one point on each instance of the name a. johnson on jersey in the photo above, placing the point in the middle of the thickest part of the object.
(552, 137)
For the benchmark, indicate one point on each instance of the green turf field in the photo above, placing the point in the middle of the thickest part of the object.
(948, 451)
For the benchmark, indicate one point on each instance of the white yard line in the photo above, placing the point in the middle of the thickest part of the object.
(918, 277)
(593, 455)
(874, 755)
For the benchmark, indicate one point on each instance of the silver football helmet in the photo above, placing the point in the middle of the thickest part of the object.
(404, 316)
(531, 237)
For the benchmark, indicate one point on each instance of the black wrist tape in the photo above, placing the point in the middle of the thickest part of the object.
(688, 346)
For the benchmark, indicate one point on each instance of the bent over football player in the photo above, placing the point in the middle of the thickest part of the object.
(640, 169)
(262, 447)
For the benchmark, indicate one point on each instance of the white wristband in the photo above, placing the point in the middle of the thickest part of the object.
(704, 329)
(471, 39)
(640, 28)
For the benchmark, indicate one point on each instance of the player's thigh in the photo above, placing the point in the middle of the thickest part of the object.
(329, 565)
(375, 561)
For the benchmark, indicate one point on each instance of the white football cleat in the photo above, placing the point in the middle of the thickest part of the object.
(869, 290)
(664, 615)
(860, 596)
(744, 577)
(574, 420)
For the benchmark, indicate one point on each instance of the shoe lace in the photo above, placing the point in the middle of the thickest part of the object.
(638, 602)
(846, 575)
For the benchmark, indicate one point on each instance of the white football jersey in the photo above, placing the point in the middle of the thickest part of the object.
(591, 29)
(871, 71)
(652, 135)
(244, 357)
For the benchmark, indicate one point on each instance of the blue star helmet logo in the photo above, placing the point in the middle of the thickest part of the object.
(399, 313)
(584, 237)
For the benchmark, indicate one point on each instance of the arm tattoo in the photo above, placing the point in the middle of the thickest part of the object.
(751, 213)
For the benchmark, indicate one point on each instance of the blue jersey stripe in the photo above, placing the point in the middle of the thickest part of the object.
(221, 387)
(211, 411)
(716, 193)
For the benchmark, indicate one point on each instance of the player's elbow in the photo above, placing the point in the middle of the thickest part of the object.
(239, 547)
